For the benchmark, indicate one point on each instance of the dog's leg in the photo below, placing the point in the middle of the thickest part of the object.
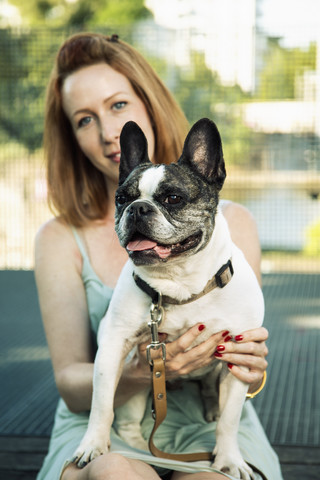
(228, 457)
(107, 369)
(210, 392)
(128, 420)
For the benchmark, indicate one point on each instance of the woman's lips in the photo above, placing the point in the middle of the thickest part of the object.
(114, 157)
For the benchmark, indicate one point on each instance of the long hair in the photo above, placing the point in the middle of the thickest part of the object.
(76, 189)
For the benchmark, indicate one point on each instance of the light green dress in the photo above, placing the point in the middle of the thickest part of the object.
(184, 429)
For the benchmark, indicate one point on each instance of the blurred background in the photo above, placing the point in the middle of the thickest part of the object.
(253, 66)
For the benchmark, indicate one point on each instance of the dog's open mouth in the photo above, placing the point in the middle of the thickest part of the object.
(140, 243)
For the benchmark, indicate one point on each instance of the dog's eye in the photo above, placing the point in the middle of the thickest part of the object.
(173, 199)
(121, 199)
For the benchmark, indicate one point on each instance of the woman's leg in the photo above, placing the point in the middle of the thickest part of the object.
(111, 466)
(197, 476)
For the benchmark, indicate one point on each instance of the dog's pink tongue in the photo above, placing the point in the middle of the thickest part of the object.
(141, 244)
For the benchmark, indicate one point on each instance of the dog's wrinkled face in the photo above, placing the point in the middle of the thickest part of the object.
(164, 212)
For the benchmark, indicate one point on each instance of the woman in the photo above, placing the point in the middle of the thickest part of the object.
(97, 85)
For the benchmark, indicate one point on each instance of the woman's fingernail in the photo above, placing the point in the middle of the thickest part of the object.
(225, 333)
(238, 338)
(220, 348)
(228, 338)
(230, 366)
(201, 327)
(217, 354)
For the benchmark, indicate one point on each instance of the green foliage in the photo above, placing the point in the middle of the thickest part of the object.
(81, 13)
(27, 58)
(90, 13)
(119, 12)
(200, 94)
(37, 12)
(24, 70)
(26, 64)
(282, 67)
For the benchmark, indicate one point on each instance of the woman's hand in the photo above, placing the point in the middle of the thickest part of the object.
(248, 350)
(181, 359)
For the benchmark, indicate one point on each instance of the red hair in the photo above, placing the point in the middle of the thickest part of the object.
(76, 189)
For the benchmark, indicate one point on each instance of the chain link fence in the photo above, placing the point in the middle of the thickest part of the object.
(268, 113)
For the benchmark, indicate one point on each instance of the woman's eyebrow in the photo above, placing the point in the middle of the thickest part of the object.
(86, 109)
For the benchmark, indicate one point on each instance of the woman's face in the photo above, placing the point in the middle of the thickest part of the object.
(98, 101)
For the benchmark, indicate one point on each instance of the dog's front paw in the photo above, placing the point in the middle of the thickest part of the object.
(90, 448)
(234, 465)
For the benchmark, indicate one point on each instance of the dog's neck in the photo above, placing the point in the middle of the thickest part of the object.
(183, 279)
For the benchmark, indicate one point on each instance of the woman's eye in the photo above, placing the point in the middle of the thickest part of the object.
(83, 122)
(119, 105)
(173, 199)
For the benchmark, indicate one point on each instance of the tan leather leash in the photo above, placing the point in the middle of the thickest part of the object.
(160, 412)
(157, 365)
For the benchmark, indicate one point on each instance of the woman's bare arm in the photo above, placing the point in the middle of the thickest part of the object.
(64, 310)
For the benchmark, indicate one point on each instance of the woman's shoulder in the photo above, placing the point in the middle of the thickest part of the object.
(55, 245)
(244, 233)
(53, 230)
(235, 211)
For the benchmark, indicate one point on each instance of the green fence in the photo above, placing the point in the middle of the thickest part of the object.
(269, 120)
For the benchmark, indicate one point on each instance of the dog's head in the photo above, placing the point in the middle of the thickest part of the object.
(164, 212)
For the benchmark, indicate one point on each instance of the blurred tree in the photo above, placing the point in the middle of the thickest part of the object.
(201, 94)
(81, 13)
(27, 56)
(119, 12)
(25, 63)
(283, 66)
(35, 12)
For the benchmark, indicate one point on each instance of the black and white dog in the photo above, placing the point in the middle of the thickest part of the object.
(168, 219)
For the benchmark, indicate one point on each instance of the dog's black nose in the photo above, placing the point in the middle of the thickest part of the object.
(140, 209)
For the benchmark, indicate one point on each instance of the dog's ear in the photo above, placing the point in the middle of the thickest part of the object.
(202, 152)
(134, 149)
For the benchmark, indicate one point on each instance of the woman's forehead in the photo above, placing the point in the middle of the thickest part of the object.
(95, 82)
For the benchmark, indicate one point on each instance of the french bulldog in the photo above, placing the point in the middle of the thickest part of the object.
(168, 219)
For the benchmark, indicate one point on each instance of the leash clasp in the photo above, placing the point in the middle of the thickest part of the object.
(156, 313)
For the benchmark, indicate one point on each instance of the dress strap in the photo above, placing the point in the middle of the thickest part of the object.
(80, 244)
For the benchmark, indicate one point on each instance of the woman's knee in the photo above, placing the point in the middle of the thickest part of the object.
(116, 465)
(110, 466)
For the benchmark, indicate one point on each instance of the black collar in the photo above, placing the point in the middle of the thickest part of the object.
(220, 279)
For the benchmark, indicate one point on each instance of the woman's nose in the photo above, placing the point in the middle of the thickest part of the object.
(109, 132)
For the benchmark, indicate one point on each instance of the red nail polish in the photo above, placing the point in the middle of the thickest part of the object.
(230, 365)
(225, 333)
(238, 338)
(221, 348)
(228, 338)
(201, 327)
(217, 354)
